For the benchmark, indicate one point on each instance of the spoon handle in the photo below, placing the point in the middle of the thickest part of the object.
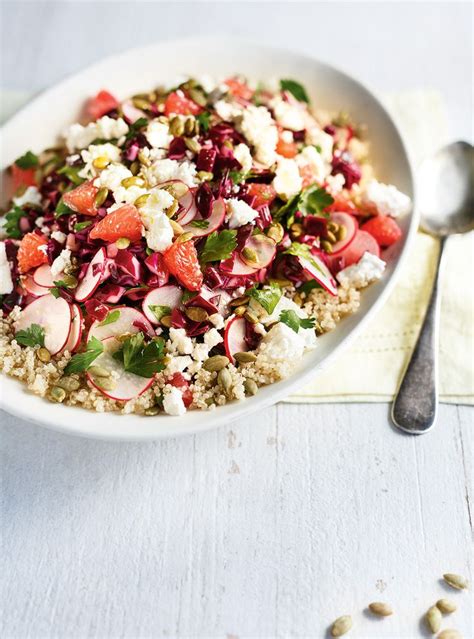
(415, 407)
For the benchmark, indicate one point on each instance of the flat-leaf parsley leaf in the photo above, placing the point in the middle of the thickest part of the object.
(81, 361)
(140, 358)
(218, 246)
(291, 319)
(268, 296)
(32, 336)
(295, 88)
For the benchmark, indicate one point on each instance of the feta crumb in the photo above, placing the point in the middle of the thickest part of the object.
(260, 130)
(124, 195)
(368, 268)
(239, 213)
(163, 170)
(30, 196)
(94, 151)
(61, 262)
(309, 156)
(207, 82)
(173, 401)
(158, 135)
(243, 156)
(228, 111)
(335, 183)
(39, 221)
(289, 116)
(200, 352)
(217, 320)
(287, 181)
(112, 176)
(386, 199)
(317, 137)
(212, 338)
(180, 342)
(6, 282)
(281, 344)
(178, 364)
(158, 230)
(105, 128)
(59, 236)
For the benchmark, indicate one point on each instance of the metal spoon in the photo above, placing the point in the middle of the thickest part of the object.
(446, 201)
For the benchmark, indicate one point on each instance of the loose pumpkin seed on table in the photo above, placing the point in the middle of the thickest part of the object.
(449, 633)
(446, 606)
(455, 581)
(433, 619)
(381, 609)
(341, 626)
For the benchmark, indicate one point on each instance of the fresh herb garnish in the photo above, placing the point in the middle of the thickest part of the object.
(81, 361)
(12, 222)
(268, 296)
(27, 161)
(318, 148)
(302, 250)
(110, 318)
(62, 209)
(135, 127)
(291, 319)
(159, 311)
(237, 177)
(308, 286)
(80, 226)
(218, 246)
(314, 200)
(32, 336)
(140, 358)
(199, 224)
(204, 120)
(295, 88)
(72, 174)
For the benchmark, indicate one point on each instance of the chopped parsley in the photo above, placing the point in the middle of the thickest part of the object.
(159, 311)
(268, 296)
(135, 127)
(296, 89)
(72, 174)
(311, 201)
(302, 250)
(12, 222)
(291, 319)
(204, 120)
(110, 318)
(80, 226)
(81, 361)
(308, 286)
(32, 336)
(218, 246)
(62, 209)
(27, 161)
(140, 358)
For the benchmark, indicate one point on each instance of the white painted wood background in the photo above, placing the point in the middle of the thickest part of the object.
(265, 529)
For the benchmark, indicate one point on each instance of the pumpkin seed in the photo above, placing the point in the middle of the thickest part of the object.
(251, 317)
(141, 201)
(216, 363)
(332, 226)
(238, 301)
(341, 626)
(240, 310)
(151, 412)
(141, 103)
(433, 619)
(69, 280)
(189, 126)
(251, 387)
(296, 230)
(122, 242)
(331, 237)
(196, 313)
(106, 383)
(341, 233)
(143, 159)
(446, 606)
(123, 337)
(69, 383)
(455, 581)
(326, 246)
(135, 167)
(280, 281)
(172, 209)
(176, 126)
(177, 228)
(132, 181)
(275, 232)
(44, 355)
(380, 609)
(245, 358)
(101, 196)
(250, 255)
(98, 371)
(101, 162)
(224, 379)
(198, 97)
(185, 237)
(205, 176)
(166, 321)
(449, 633)
(58, 394)
(297, 299)
(192, 144)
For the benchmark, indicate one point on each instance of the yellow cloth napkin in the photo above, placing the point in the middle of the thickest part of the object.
(383, 350)
(371, 369)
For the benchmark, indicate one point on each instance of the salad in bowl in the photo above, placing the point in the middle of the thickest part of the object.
(184, 247)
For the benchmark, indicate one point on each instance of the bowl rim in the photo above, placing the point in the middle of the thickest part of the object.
(63, 420)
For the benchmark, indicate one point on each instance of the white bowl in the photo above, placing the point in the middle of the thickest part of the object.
(38, 125)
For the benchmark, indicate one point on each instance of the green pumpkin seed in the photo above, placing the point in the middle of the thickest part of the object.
(280, 281)
(326, 246)
(43, 355)
(132, 181)
(58, 394)
(176, 126)
(331, 237)
(455, 581)
(143, 159)
(275, 232)
(251, 387)
(189, 126)
(245, 358)
(141, 103)
(450, 633)
(185, 237)
(446, 606)
(122, 243)
(224, 379)
(151, 412)
(296, 230)
(240, 310)
(123, 337)
(238, 301)
(251, 317)
(135, 167)
(172, 209)
(332, 226)
(101, 162)
(215, 363)
(192, 144)
(101, 196)
(297, 299)
(341, 233)
(196, 314)
(205, 176)
(141, 201)
(249, 255)
(69, 280)
(177, 228)
(380, 609)
(69, 383)
(166, 320)
(198, 97)
(341, 626)
(433, 619)
(98, 371)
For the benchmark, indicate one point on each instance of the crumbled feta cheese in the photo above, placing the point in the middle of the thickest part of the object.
(335, 183)
(39, 221)
(287, 181)
(287, 136)
(289, 116)
(158, 135)
(61, 262)
(239, 213)
(368, 268)
(317, 137)
(158, 232)
(59, 236)
(217, 320)
(228, 111)
(259, 328)
(173, 401)
(106, 128)
(386, 199)
(94, 151)
(309, 156)
(243, 156)
(180, 342)
(200, 352)
(260, 130)
(157, 202)
(207, 82)
(30, 196)
(124, 195)
(163, 170)
(307, 335)
(212, 338)
(281, 344)
(112, 176)
(178, 364)
(6, 282)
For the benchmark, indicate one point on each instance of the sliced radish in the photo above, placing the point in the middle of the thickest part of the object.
(214, 221)
(96, 273)
(362, 242)
(351, 226)
(234, 337)
(53, 315)
(75, 333)
(169, 295)
(43, 276)
(317, 270)
(128, 385)
(33, 288)
(129, 321)
(234, 265)
(131, 112)
(185, 217)
(264, 248)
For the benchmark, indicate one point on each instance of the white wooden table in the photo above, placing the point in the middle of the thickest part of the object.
(266, 529)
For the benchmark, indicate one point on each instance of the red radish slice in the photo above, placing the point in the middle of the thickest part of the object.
(43, 276)
(53, 315)
(164, 296)
(351, 226)
(96, 273)
(235, 266)
(33, 288)
(131, 112)
(234, 337)
(317, 270)
(362, 242)
(129, 321)
(75, 334)
(185, 217)
(215, 220)
(128, 385)
(263, 246)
